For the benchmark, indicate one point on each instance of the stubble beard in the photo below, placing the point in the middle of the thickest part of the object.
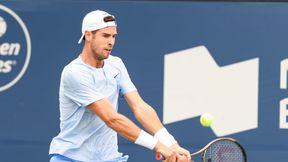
(99, 56)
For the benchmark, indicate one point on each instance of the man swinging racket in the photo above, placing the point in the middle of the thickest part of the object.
(89, 90)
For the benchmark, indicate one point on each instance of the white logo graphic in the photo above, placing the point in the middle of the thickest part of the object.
(10, 52)
(3, 26)
(194, 84)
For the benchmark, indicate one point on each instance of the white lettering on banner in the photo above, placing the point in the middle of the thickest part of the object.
(283, 114)
(283, 73)
(283, 110)
(9, 49)
(6, 66)
(195, 84)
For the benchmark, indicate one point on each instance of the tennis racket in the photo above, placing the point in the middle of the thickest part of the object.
(219, 150)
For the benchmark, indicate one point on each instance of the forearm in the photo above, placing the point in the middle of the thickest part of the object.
(124, 127)
(148, 117)
(114, 120)
(121, 124)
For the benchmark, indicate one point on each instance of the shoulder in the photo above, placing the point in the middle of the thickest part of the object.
(75, 71)
(114, 60)
(73, 67)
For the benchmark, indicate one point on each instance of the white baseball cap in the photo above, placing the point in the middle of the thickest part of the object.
(95, 20)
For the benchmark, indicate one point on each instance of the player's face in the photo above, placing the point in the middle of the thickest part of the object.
(102, 42)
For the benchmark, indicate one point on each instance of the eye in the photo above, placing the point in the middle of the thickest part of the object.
(106, 35)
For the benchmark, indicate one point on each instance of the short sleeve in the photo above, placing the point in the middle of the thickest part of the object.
(78, 85)
(124, 81)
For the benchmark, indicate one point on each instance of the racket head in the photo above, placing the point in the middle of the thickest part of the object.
(224, 150)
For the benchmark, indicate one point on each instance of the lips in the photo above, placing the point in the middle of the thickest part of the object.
(108, 49)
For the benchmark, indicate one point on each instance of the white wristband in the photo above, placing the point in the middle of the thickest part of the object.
(165, 137)
(146, 140)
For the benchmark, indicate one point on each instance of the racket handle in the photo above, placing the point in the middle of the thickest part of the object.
(159, 156)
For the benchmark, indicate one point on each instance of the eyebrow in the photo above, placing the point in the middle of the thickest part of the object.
(109, 34)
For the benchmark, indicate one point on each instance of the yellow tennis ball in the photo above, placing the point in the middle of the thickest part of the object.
(206, 120)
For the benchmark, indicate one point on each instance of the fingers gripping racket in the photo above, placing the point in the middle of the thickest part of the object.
(219, 150)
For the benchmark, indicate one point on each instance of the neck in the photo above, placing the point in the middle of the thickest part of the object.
(90, 60)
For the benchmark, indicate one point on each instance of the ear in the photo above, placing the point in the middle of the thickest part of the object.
(88, 36)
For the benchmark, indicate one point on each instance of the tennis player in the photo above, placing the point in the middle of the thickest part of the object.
(89, 90)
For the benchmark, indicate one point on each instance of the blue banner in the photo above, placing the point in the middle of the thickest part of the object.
(185, 58)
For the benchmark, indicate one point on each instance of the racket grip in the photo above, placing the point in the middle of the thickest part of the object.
(159, 156)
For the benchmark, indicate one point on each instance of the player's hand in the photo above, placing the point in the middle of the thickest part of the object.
(173, 154)
(182, 152)
(176, 158)
(168, 154)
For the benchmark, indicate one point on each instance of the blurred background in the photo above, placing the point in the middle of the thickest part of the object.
(38, 38)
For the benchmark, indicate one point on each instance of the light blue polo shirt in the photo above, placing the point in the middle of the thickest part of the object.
(84, 136)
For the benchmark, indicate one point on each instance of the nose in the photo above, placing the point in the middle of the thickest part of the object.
(111, 41)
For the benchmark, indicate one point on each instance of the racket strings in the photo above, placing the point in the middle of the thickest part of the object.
(224, 151)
